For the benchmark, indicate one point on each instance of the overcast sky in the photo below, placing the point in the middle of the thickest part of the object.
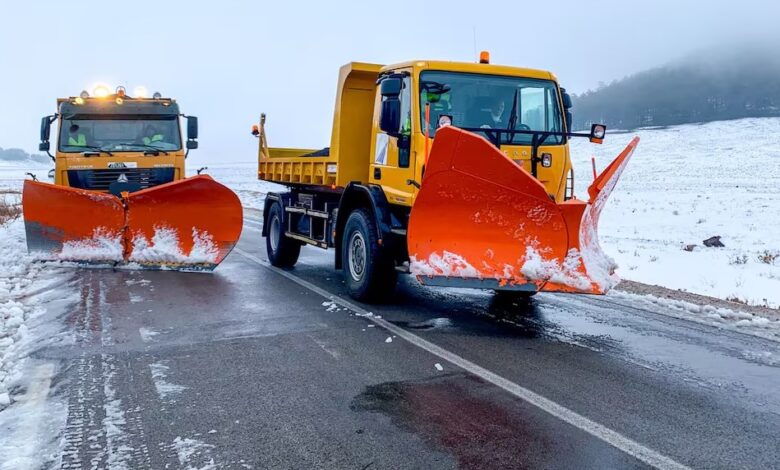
(228, 61)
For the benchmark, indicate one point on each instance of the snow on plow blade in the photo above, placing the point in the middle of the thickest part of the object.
(480, 220)
(191, 224)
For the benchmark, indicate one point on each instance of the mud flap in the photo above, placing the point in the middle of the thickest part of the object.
(482, 221)
(190, 224)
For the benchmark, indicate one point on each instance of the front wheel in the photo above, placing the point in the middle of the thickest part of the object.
(282, 251)
(369, 270)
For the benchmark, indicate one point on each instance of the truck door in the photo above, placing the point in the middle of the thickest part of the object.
(392, 157)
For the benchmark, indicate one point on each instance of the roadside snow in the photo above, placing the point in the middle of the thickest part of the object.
(722, 317)
(28, 413)
(685, 184)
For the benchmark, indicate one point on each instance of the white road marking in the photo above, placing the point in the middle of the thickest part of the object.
(613, 438)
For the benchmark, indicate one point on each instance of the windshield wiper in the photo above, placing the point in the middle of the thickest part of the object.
(513, 120)
(146, 146)
(96, 149)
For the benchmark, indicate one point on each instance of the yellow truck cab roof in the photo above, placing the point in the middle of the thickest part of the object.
(472, 67)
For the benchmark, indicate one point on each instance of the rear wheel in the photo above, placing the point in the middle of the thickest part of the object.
(369, 270)
(282, 251)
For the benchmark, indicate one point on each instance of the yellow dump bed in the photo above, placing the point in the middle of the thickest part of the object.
(287, 165)
(347, 157)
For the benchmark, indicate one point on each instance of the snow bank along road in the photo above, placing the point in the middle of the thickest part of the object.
(253, 367)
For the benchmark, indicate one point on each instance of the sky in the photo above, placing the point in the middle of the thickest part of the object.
(228, 61)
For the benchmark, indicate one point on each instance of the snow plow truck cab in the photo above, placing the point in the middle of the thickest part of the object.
(458, 173)
(120, 192)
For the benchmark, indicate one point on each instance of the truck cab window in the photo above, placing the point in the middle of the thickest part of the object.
(119, 135)
(406, 123)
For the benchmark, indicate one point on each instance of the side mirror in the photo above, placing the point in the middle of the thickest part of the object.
(391, 87)
(192, 127)
(192, 144)
(567, 104)
(597, 133)
(45, 128)
(390, 120)
(43, 146)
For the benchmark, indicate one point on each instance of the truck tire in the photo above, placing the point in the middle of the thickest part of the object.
(282, 251)
(369, 270)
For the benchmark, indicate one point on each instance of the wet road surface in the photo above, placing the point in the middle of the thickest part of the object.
(248, 368)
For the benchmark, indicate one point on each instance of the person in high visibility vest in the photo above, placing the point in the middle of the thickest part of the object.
(76, 138)
(152, 136)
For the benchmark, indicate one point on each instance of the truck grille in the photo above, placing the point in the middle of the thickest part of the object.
(99, 180)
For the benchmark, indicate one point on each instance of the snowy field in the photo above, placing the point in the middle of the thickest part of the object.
(683, 185)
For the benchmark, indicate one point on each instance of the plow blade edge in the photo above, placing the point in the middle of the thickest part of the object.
(191, 224)
(480, 220)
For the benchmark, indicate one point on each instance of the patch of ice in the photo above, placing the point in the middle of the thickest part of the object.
(147, 334)
(159, 376)
(103, 245)
(447, 264)
(389, 339)
(193, 454)
(164, 247)
(438, 367)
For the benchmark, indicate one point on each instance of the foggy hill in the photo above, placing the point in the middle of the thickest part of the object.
(708, 86)
(19, 155)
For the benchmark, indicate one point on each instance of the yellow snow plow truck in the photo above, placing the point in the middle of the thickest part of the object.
(120, 192)
(458, 173)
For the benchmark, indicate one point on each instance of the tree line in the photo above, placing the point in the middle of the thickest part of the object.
(19, 155)
(710, 86)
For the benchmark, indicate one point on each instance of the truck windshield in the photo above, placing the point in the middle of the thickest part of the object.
(79, 134)
(491, 101)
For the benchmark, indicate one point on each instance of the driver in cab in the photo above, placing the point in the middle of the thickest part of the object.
(153, 135)
(493, 118)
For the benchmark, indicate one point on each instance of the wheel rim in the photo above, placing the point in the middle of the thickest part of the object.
(356, 256)
(275, 233)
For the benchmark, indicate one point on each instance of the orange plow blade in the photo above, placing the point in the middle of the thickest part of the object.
(482, 221)
(72, 224)
(190, 225)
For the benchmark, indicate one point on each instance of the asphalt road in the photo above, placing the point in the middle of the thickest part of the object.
(246, 368)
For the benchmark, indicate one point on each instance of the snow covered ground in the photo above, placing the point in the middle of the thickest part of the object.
(29, 307)
(685, 184)
(13, 173)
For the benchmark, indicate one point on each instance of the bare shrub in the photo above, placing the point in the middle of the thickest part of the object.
(768, 257)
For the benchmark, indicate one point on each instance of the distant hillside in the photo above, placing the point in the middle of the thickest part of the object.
(709, 86)
(19, 155)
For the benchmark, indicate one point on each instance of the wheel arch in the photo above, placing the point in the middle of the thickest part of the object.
(283, 199)
(362, 196)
